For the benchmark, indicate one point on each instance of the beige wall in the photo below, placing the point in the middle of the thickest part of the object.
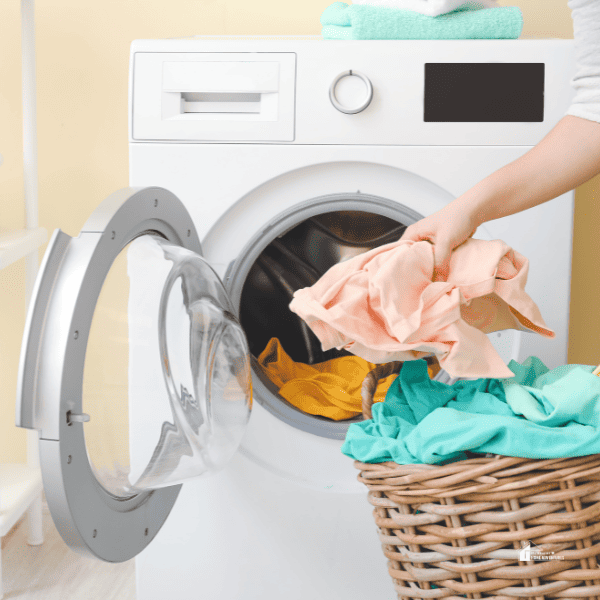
(83, 50)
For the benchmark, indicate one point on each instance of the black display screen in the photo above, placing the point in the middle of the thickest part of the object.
(484, 92)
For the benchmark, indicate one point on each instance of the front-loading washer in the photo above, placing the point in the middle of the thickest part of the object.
(287, 155)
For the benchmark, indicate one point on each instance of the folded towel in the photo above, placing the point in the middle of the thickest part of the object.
(384, 305)
(431, 8)
(364, 22)
(537, 414)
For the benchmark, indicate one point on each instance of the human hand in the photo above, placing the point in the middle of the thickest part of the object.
(446, 229)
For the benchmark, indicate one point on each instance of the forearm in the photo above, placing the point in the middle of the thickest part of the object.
(567, 157)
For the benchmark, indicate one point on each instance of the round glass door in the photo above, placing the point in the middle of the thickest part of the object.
(134, 371)
(167, 381)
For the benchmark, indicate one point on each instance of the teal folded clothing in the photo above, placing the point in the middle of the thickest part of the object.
(536, 414)
(365, 22)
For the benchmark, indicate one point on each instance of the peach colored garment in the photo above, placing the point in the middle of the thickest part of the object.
(383, 305)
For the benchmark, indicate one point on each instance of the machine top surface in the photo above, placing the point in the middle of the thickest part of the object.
(153, 44)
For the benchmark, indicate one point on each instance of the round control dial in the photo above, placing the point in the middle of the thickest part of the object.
(351, 92)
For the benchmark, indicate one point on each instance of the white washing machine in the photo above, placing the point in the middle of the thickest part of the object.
(287, 155)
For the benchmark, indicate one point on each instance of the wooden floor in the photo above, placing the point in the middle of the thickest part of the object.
(53, 572)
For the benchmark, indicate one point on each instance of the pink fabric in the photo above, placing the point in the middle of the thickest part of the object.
(383, 305)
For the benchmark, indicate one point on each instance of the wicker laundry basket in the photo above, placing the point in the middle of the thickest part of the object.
(459, 530)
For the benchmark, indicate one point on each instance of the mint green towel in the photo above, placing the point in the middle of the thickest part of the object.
(365, 22)
(536, 414)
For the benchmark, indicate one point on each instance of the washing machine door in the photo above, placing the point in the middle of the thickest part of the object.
(134, 370)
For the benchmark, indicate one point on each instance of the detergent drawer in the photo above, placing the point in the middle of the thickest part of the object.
(210, 96)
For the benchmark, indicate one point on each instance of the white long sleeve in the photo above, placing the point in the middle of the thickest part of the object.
(586, 26)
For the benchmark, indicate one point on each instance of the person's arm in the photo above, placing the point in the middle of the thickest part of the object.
(570, 154)
(567, 157)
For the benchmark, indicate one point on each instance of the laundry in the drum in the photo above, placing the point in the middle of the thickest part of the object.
(384, 305)
(330, 389)
(539, 413)
(365, 22)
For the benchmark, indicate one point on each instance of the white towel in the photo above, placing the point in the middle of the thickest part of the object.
(431, 8)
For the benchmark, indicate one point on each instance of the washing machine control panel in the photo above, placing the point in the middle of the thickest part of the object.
(349, 92)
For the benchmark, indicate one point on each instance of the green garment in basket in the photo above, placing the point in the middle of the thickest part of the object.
(536, 414)
(365, 22)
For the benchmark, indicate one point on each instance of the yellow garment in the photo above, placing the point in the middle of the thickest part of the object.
(330, 389)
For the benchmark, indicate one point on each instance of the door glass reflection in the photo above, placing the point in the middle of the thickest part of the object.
(167, 379)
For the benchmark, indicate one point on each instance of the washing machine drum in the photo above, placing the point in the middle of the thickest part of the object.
(134, 370)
